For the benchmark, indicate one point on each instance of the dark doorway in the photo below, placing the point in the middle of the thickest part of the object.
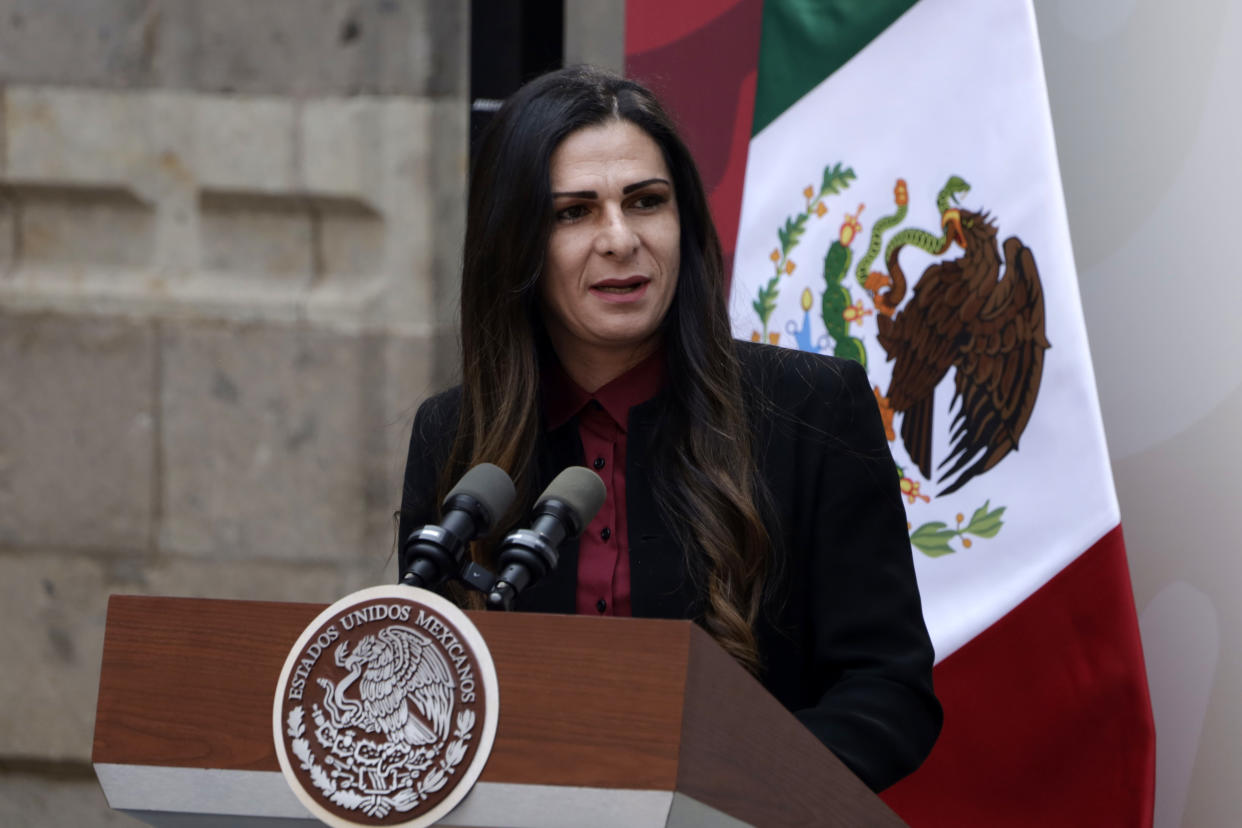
(511, 41)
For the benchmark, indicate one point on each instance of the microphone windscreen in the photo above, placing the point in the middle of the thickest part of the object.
(580, 489)
(490, 486)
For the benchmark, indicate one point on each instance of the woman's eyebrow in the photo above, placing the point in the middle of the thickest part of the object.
(638, 185)
(626, 190)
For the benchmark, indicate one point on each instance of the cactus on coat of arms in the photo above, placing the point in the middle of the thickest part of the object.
(837, 302)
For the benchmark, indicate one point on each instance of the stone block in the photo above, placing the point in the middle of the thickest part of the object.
(54, 607)
(341, 147)
(74, 137)
(349, 245)
(428, 56)
(78, 44)
(76, 431)
(59, 797)
(262, 439)
(292, 47)
(55, 610)
(257, 237)
(288, 444)
(245, 145)
(295, 241)
(92, 228)
(316, 47)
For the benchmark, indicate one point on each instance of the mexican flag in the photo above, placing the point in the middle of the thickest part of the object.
(887, 177)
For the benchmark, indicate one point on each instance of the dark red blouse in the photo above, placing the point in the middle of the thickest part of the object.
(603, 417)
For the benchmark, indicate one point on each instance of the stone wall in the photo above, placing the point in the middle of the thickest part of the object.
(229, 237)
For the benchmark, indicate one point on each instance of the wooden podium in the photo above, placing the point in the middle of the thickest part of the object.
(603, 722)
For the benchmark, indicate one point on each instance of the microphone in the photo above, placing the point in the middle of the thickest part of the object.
(470, 510)
(562, 512)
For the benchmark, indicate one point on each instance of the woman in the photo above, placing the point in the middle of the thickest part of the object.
(750, 488)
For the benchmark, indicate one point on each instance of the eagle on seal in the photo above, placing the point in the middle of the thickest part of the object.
(990, 328)
(395, 669)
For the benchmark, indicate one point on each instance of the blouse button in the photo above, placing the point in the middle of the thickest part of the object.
(605, 533)
(601, 605)
(599, 462)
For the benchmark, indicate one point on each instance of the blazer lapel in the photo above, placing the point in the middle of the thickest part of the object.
(659, 586)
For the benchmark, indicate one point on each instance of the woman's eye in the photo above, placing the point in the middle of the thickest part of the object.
(571, 213)
(650, 201)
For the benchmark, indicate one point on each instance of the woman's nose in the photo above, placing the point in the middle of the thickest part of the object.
(616, 237)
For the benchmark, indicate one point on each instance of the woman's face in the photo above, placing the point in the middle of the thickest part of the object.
(615, 247)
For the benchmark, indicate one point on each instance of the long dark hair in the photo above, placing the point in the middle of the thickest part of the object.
(709, 485)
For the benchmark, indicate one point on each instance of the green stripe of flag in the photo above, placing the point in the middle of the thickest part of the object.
(805, 41)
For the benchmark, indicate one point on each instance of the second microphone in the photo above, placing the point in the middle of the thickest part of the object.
(560, 514)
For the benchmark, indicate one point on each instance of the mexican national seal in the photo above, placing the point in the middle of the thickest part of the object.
(386, 709)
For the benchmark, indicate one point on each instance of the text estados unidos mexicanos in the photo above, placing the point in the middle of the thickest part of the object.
(379, 612)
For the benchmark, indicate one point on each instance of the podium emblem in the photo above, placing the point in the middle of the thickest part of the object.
(386, 709)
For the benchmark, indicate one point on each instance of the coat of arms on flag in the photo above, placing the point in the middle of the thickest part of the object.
(976, 318)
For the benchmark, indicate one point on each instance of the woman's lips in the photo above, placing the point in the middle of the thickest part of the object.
(621, 290)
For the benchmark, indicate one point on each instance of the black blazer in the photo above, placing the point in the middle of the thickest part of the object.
(844, 645)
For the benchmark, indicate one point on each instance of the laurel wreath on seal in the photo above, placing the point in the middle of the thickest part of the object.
(379, 805)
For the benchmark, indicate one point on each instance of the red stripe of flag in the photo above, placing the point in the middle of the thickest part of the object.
(1047, 715)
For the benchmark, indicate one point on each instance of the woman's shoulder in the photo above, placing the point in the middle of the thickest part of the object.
(788, 377)
(441, 406)
(436, 420)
